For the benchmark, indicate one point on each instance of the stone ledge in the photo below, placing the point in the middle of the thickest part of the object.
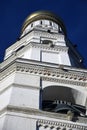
(57, 72)
(56, 119)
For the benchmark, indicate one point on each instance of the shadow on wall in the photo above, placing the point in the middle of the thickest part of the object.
(62, 93)
(64, 100)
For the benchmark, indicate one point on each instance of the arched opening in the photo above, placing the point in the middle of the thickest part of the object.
(62, 99)
(52, 93)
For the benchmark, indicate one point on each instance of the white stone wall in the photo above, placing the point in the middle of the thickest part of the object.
(2, 120)
(44, 24)
(35, 121)
(19, 123)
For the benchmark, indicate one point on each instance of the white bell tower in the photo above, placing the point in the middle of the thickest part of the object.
(43, 82)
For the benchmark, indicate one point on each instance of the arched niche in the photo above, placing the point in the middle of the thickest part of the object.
(62, 93)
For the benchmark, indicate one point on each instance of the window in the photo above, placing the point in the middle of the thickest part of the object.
(48, 31)
(50, 23)
(32, 25)
(60, 30)
(47, 41)
(40, 22)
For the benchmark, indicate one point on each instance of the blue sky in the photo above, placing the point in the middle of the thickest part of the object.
(14, 12)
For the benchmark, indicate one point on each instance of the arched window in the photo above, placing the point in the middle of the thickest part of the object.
(50, 23)
(32, 25)
(60, 30)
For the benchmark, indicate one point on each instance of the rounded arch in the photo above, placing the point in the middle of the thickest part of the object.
(63, 99)
(62, 93)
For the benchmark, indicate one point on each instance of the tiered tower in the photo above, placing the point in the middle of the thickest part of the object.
(43, 82)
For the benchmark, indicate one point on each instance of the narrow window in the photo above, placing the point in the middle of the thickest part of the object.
(50, 23)
(40, 22)
(32, 25)
(60, 30)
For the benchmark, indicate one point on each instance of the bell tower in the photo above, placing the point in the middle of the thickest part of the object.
(43, 81)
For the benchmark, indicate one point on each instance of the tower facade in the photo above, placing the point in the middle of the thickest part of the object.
(43, 82)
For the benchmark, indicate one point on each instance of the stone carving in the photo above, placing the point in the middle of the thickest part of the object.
(54, 74)
(47, 47)
(62, 125)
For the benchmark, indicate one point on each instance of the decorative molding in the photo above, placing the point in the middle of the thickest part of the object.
(53, 75)
(49, 35)
(47, 72)
(61, 119)
(63, 81)
(47, 47)
(7, 71)
(60, 124)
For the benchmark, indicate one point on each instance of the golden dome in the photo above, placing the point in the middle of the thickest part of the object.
(43, 15)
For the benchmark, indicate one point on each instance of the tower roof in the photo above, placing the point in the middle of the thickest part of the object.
(43, 15)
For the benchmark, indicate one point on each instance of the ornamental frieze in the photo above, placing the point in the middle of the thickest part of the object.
(48, 35)
(47, 47)
(60, 124)
(53, 73)
(64, 81)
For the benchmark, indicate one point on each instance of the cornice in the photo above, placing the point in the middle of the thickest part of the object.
(51, 72)
(39, 34)
(49, 119)
(55, 75)
(64, 81)
(14, 56)
(48, 35)
(7, 70)
(60, 124)
(23, 41)
(57, 49)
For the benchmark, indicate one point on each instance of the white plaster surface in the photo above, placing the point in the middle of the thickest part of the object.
(22, 89)
(19, 123)
(27, 79)
(23, 97)
(2, 119)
